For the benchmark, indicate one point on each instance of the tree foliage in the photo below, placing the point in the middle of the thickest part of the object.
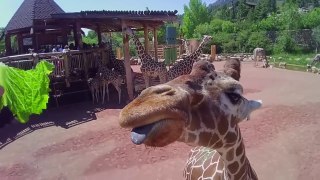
(272, 24)
(194, 14)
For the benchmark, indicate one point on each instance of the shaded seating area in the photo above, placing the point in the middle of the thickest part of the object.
(39, 27)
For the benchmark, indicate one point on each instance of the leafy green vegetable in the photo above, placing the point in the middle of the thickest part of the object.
(25, 92)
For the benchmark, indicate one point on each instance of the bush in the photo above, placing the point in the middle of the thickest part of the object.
(285, 43)
(259, 39)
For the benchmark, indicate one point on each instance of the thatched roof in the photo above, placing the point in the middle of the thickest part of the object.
(31, 10)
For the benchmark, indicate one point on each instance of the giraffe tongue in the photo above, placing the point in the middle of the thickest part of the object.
(139, 134)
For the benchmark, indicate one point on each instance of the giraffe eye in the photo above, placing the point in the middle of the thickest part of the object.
(233, 97)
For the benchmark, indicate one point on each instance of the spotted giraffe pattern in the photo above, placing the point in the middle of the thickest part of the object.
(149, 67)
(202, 109)
(118, 65)
(109, 76)
(185, 66)
(186, 46)
(96, 88)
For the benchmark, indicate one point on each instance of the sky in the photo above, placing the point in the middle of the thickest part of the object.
(9, 7)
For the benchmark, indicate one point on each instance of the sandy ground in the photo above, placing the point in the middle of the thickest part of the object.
(281, 138)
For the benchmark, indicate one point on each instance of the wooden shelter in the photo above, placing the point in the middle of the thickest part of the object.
(39, 23)
(30, 25)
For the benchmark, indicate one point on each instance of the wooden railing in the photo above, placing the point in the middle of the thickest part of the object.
(67, 64)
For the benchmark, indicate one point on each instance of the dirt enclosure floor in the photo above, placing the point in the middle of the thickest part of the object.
(282, 138)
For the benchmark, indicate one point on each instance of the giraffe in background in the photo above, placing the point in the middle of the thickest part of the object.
(149, 67)
(184, 66)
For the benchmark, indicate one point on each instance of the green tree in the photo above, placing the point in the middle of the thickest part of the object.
(273, 6)
(290, 18)
(311, 19)
(242, 10)
(194, 14)
(91, 38)
(202, 29)
(262, 10)
(271, 23)
(259, 39)
(316, 36)
(285, 43)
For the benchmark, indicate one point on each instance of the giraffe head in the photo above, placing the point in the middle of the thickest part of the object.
(129, 31)
(202, 108)
(206, 39)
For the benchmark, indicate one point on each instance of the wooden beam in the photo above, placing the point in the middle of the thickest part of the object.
(155, 43)
(76, 42)
(65, 37)
(34, 39)
(78, 35)
(130, 84)
(146, 39)
(20, 43)
(99, 34)
(8, 45)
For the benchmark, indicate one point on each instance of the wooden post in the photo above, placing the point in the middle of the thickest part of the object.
(155, 43)
(35, 58)
(8, 45)
(85, 61)
(105, 60)
(146, 39)
(34, 39)
(130, 84)
(66, 67)
(78, 35)
(20, 43)
(213, 52)
(99, 35)
(118, 51)
(76, 42)
(65, 37)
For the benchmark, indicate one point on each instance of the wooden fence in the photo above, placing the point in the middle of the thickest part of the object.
(69, 66)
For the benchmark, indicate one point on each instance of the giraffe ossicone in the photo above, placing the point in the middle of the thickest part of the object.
(202, 109)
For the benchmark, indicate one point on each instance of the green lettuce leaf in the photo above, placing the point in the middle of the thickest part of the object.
(25, 92)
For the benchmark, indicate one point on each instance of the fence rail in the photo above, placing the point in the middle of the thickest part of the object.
(69, 66)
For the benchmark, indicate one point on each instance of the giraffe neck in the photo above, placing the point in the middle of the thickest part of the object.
(186, 47)
(236, 163)
(202, 130)
(197, 53)
(139, 47)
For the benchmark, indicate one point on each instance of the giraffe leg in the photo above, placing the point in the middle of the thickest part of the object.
(163, 79)
(97, 94)
(118, 87)
(108, 92)
(92, 94)
(103, 93)
(119, 94)
(146, 81)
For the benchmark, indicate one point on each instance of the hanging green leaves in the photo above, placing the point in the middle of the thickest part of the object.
(25, 92)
